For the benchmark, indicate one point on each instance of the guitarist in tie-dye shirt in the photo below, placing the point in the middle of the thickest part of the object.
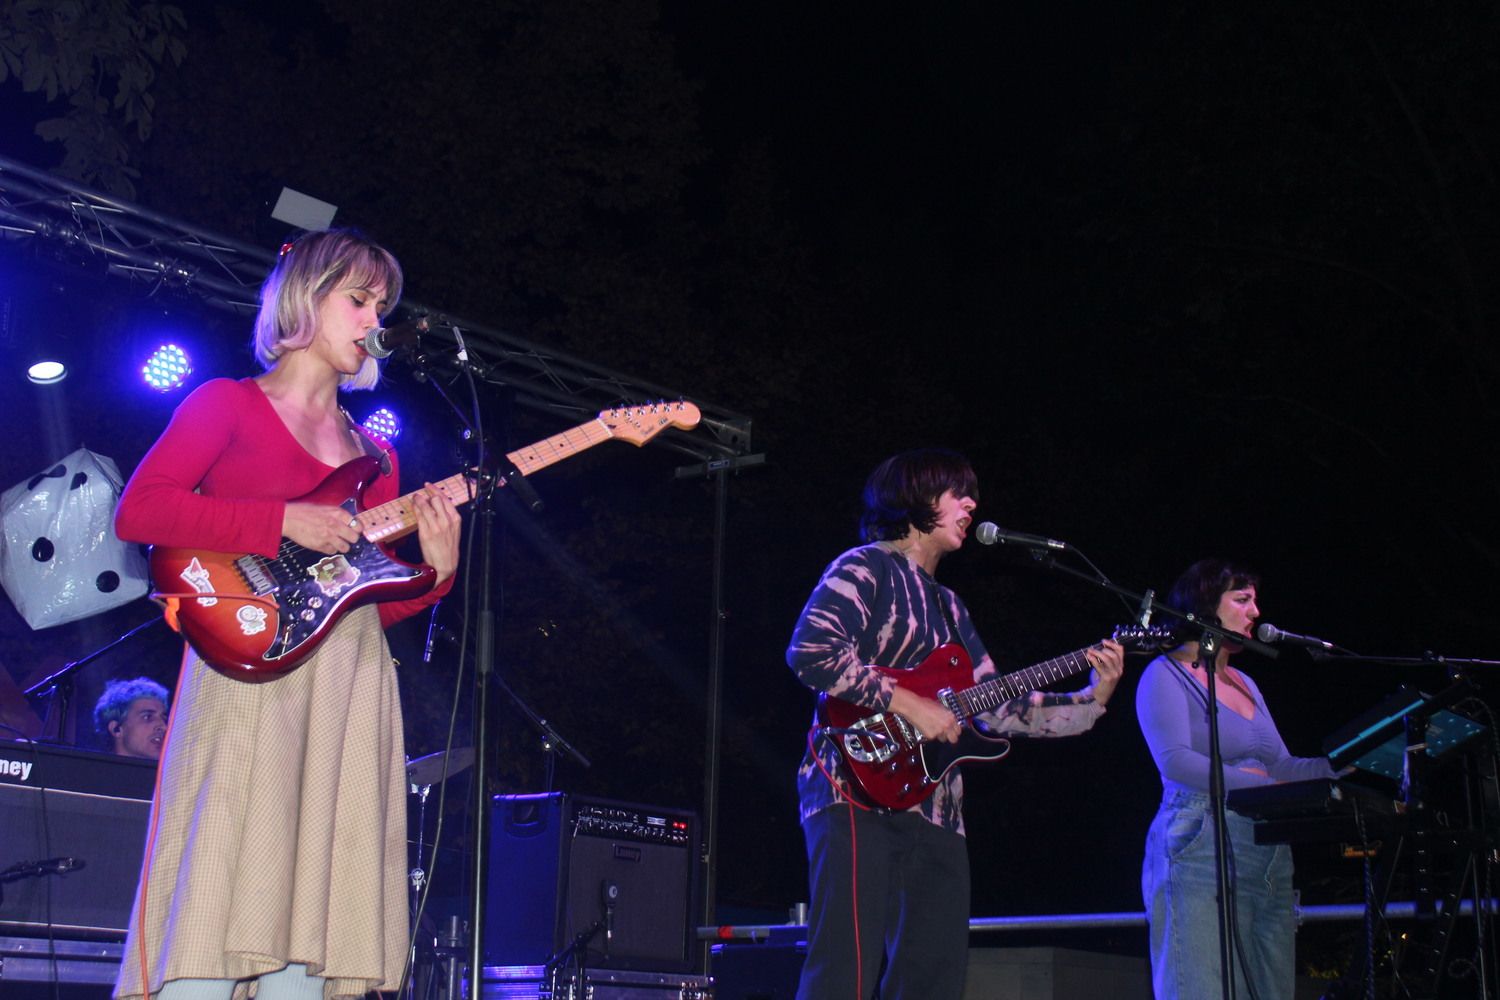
(878, 605)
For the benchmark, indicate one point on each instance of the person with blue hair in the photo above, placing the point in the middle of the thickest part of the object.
(131, 715)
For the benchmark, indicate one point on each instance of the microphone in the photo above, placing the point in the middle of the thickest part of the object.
(382, 343)
(989, 533)
(432, 633)
(609, 892)
(36, 869)
(1147, 599)
(1266, 632)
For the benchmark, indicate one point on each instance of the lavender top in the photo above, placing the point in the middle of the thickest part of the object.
(1173, 711)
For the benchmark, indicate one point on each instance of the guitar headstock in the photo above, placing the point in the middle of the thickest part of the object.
(1144, 638)
(639, 424)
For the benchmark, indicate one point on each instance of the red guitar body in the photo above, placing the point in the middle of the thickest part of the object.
(888, 761)
(261, 617)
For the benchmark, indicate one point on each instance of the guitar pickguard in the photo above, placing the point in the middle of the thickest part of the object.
(310, 586)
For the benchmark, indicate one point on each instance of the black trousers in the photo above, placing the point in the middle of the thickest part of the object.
(908, 906)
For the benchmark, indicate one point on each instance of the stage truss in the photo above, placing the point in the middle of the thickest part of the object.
(138, 245)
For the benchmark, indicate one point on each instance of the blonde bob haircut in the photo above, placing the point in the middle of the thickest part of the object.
(309, 270)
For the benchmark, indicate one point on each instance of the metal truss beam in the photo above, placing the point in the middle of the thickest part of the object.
(141, 246)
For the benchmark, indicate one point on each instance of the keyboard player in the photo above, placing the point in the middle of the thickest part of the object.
(1178, 879)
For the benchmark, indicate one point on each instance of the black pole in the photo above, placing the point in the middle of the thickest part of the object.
(1208, 648)
(484, 659)
(712, 737)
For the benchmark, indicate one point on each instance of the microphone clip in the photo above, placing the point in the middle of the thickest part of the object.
(507, 474)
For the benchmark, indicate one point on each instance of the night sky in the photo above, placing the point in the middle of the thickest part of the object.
(1179, 281)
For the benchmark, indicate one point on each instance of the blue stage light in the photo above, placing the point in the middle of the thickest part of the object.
(167, 368)
(384, 423)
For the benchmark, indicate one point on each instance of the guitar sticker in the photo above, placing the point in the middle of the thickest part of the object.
(197, 578)
(252, 618)
(333, 575)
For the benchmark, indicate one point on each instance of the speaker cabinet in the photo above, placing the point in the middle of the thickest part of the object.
(564, 868)
(60, 803)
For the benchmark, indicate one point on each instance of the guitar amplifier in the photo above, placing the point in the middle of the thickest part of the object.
(61, 803)
(620, 878)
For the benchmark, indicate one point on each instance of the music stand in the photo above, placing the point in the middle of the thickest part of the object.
(1409, 723)
(1401, 738)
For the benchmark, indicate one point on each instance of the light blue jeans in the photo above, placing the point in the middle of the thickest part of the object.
(1178, 883)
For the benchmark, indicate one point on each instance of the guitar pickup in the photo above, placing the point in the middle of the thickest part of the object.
(255, 574)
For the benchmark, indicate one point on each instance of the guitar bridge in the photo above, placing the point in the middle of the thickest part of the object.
(877, 738)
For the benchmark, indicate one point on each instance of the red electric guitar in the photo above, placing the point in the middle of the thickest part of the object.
(253, 617)
(894, 767)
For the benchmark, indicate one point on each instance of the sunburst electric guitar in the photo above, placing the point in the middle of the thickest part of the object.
(889, 760)
(254, 617)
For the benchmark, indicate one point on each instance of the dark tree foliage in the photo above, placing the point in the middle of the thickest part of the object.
(100, 58)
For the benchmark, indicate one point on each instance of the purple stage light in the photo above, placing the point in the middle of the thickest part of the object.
(167, 368)
(383, 423)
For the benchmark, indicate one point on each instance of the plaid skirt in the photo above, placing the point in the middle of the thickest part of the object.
(278, 831)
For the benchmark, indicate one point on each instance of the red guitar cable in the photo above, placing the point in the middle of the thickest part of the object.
(838, 790)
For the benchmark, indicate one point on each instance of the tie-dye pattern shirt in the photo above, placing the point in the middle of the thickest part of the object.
(875, 607)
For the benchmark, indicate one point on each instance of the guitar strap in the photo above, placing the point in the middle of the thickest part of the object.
(368, 444)
(948, 617)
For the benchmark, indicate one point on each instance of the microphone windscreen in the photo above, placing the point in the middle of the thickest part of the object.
(374, 344)
(988, 533)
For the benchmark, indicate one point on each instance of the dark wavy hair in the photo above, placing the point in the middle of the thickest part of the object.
(1199, 588)
(903, 491)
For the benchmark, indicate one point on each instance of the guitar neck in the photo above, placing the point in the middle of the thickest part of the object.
(397, 518)
(989, 695)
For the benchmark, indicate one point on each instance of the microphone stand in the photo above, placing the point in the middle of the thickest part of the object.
(59, 684)
(1209, 645)
(1211, 638)
(484, 654)
(552, 742)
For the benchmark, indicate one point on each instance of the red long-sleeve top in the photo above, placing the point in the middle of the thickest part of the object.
(220, 477)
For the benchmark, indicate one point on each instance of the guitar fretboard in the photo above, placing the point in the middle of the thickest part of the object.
(397, 518)
(989, 695)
